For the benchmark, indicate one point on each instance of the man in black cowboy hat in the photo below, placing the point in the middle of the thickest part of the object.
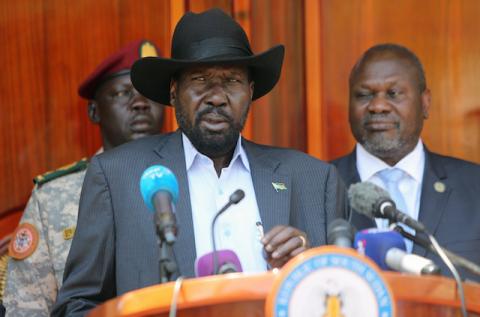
(211, 80)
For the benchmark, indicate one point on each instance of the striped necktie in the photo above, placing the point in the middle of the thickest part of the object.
(391, 178)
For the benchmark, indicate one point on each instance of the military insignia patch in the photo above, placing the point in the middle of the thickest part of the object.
(147, 49)
(68, 233)
(24, 241)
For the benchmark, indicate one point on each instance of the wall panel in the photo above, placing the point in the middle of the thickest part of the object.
(51, 46)
(442, 33)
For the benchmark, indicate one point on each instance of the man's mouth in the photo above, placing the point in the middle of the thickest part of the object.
(141, 125)
(380, 125)
(214, 122)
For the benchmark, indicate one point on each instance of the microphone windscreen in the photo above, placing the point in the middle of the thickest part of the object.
(204, 264)
(375, 244)
(158, 178)
(237, 196)
(365, 196)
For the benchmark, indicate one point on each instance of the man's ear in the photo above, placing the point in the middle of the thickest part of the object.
(173, 92)
(93, 111)
(426, 100)
(252, 87)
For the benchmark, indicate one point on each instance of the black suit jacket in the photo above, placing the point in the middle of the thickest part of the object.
(115, 250)
(452, 216)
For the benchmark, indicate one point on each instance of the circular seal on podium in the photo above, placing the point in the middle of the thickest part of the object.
(330, 282)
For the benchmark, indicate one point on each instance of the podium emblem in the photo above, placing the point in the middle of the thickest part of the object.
(330, 282)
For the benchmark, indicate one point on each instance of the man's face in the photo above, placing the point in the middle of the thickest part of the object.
(211, 106)
(387, 108)
(123, 114)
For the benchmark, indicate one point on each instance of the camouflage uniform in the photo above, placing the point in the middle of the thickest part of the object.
(32, 283)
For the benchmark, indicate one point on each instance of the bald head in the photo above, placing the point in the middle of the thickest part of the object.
(391, 51)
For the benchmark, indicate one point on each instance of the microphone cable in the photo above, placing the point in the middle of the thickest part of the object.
(452, 269)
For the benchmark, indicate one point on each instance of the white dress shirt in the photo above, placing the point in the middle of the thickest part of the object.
(413, 165)
(236, 229)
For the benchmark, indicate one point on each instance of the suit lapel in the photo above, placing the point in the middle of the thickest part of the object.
(171, 155)
(348, 171)
(272, 189)
(434, 197)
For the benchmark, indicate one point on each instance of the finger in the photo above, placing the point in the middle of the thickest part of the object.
(289, 246)
(281, 236)
(272, 233)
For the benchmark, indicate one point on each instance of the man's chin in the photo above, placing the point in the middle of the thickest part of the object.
(139, 135)
(381, 146)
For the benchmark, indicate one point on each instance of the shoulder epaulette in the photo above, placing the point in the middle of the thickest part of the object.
(62, 171)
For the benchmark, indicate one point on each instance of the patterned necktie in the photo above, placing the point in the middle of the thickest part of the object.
(391, 178)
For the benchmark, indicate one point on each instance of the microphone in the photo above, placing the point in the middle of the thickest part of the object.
(387, 249)
(234, 199)
(373, 201)
(227, 260)
(340, 233)
(455, 258)
(159, 189)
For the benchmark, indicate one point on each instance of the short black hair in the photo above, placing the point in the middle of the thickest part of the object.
(398, 50)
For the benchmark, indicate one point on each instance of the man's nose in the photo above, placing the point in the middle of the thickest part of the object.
(139, 102)
(217, 97)
(379, 104)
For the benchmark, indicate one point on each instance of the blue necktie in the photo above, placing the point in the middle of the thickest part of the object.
(391, 178)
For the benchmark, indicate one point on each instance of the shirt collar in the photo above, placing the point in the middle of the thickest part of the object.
(413, 163)
(191, 153)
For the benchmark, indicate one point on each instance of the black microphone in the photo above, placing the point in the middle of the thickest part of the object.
(455, 258)
(373, 201)
(340, 233)
(234, 199)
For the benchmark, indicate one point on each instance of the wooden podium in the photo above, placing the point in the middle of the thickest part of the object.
(241, 294)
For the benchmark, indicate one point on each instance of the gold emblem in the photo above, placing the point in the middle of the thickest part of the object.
(68, 233)
(439, 187)
(279, 186)
(148, 49)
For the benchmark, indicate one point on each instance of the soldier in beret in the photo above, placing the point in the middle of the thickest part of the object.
(41, 242)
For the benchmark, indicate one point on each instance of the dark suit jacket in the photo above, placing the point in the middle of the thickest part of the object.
(115, 249)
(452, 216)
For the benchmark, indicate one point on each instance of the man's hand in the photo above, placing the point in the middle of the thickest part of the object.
(283, 243)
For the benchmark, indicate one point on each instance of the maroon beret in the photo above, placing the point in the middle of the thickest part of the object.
(121, 60)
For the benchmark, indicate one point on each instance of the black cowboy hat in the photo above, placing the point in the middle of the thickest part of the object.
(208, 38)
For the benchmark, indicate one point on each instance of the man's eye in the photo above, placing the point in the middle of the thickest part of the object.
(199, 78)
(393, 93)
(121, 93)
(362, 94)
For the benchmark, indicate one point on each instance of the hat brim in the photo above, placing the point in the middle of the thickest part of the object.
(151, 76)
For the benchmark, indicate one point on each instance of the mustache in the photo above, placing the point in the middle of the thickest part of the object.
(215, 110)
(379, 117)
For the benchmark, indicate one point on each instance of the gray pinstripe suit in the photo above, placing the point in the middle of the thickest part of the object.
(115, 249)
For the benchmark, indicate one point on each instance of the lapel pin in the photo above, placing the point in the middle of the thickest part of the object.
(279, 186)
(439, 187)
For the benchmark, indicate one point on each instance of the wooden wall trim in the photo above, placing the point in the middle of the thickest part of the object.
(315, 111)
